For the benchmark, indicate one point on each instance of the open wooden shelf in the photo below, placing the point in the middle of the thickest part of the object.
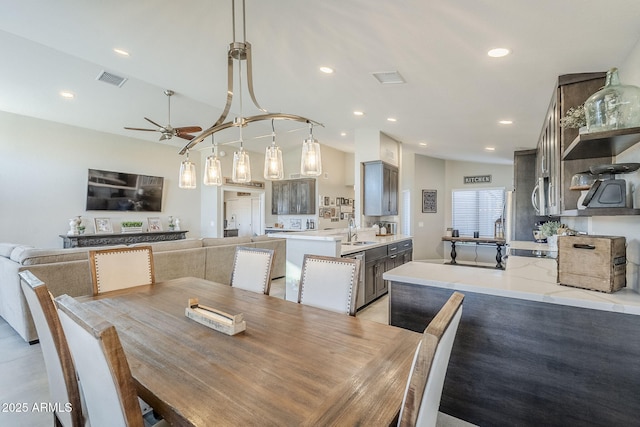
(602, 144)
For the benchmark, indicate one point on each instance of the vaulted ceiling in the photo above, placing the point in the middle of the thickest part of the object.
(452, 100)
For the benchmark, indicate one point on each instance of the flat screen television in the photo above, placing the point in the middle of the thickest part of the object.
(118, 191)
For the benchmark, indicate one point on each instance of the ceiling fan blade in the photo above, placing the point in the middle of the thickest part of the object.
(189, 129)
(184, 136)
(151, 121)
(151, 130)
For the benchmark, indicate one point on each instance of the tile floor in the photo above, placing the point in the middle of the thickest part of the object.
(23, 378)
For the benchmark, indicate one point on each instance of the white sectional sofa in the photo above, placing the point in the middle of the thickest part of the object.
(67, 271)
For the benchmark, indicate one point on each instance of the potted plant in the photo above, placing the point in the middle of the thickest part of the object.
(550, 230)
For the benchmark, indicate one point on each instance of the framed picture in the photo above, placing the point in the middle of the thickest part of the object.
(350, 202)
(154, 224)
(103, 226)
(326, 200)
(429, 201)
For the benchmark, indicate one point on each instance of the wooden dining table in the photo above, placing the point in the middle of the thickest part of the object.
(293, 365)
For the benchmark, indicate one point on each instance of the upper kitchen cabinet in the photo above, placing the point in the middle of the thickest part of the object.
(380, 189)
(293, 197)
(555, 175)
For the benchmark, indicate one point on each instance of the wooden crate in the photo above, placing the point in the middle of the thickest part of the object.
(592, 262)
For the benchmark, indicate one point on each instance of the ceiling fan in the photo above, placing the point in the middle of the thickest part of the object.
(168, 131)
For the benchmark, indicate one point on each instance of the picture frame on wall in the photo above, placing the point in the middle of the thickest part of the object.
(154, 224)
(103, 225)
(429, 201)
(326, 200)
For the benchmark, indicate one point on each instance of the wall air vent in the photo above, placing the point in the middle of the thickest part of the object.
(112, 79)
(389, 77)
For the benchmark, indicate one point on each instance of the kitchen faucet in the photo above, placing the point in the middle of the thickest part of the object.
(353, 231)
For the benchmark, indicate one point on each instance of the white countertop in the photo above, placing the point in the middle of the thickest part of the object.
(530, 279)
(364, 235)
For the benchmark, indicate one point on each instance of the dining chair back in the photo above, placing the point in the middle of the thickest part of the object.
(108, 387)
(252, 269)
(63, 383)
(121, 268)
(329, 283)
(426, 378)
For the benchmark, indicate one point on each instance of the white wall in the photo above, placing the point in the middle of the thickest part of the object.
(43, 178)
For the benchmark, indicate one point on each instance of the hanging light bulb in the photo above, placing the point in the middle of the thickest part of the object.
(241, 165)
(187, 177)
(212, 167)
(311, 160)
(273, 168)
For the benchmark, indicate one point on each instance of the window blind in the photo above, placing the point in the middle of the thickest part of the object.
(477, 210)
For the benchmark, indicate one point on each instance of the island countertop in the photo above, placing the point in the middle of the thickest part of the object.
(530, 281)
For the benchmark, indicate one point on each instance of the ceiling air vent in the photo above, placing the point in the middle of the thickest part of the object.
(112, 79)
(389, 77)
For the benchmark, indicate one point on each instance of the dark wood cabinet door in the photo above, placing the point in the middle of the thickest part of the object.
(369, 282)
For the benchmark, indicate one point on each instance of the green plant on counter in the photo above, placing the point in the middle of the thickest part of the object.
(550, 228)
(131, 224)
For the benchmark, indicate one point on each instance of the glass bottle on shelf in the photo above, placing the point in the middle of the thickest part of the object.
(615, 106)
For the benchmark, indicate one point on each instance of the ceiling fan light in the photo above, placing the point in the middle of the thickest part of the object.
(311, 159)
(241, 167)
(273, 166)
(212, 171)
(187, 178)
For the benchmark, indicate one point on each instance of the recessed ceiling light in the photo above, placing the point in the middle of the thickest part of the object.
(120, 51)
(343, 134)
(66, 94)
(506, 122)
(391, 119)
(498, 52)
(422, 144)
(358, 113)
(490, 148)
(327, 70)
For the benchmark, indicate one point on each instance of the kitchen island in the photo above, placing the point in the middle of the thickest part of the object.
(528, 352)
(335, 243)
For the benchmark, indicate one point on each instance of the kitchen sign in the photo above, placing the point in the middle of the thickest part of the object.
(478, 179)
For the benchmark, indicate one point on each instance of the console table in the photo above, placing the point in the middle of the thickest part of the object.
(499, 243)
(84, 240)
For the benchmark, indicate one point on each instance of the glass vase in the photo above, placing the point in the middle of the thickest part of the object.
(615, 106)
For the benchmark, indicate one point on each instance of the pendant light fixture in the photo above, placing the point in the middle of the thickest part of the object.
(273, 167)
(212, 167)
(311, 160)
(187, 178)
(240, 51)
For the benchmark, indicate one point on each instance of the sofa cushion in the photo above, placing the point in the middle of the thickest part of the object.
(221, 241)
(172, 245)
(7, 248)
(17, 252)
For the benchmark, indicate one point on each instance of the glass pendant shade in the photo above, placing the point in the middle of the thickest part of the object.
(273, 167)
(212, 171)
(311, 160)
(241, 167)
(187, 177)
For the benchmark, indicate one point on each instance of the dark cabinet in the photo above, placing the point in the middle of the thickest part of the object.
(380, 189)
(381, 259)
(572, 90)
(293, 197)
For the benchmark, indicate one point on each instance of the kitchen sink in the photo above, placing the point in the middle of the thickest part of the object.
(358, 243)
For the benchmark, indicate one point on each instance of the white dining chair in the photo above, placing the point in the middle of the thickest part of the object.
(428, 370)
(64, 391)
(330, 283)
(110, 394)
(252, 269)
(120, 268)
